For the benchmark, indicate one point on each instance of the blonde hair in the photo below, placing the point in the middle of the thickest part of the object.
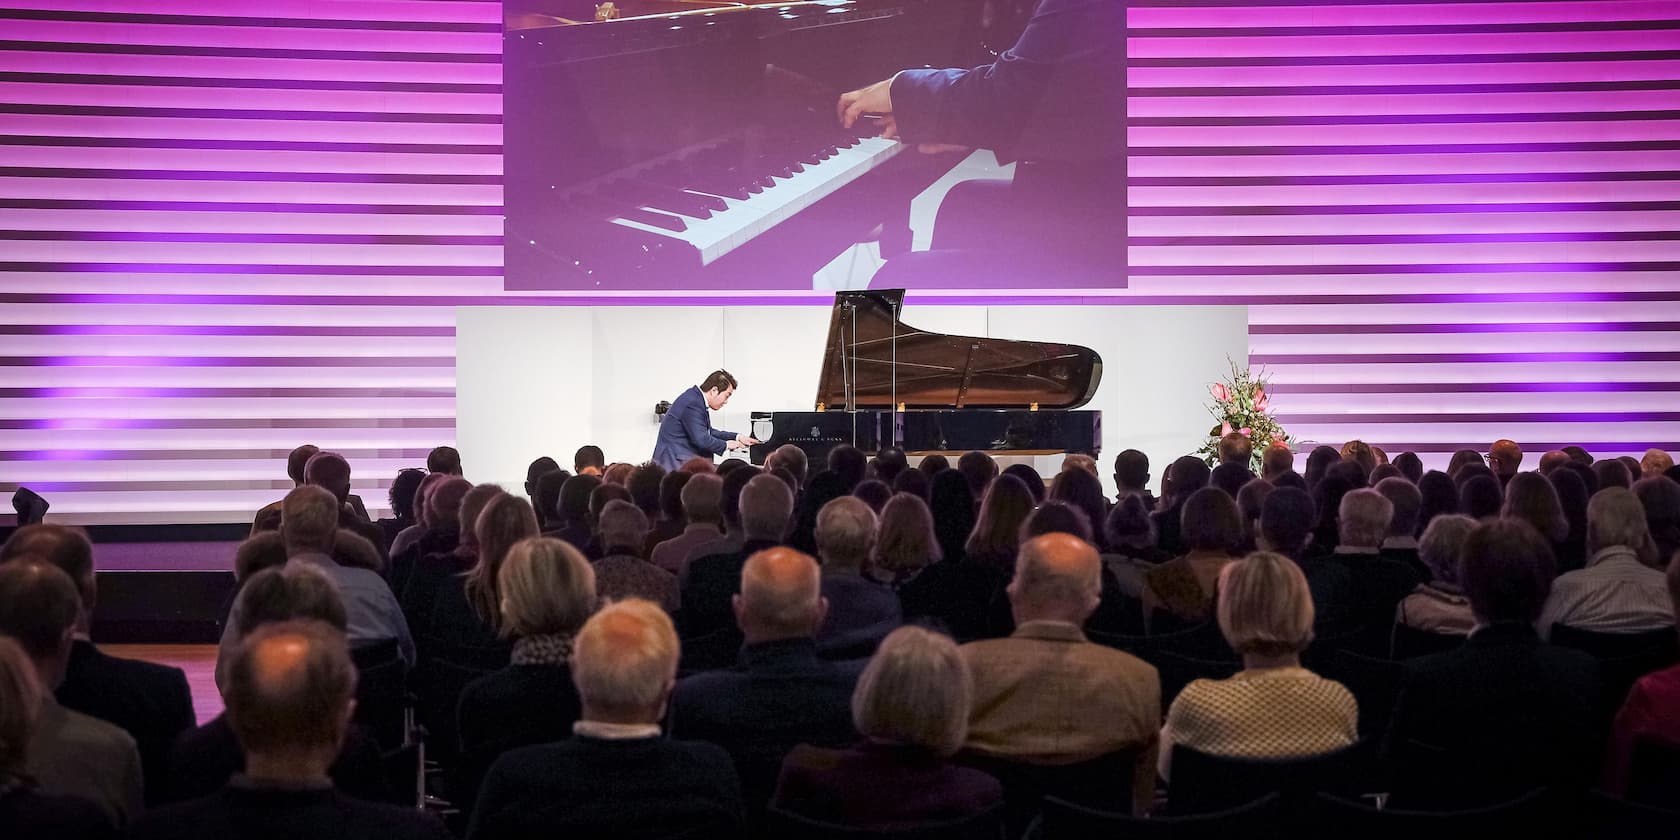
(625, 656)
(20, 706)
(916, 690)
(547, 588)
(505, 521)
(1264, 605)
(905, 541)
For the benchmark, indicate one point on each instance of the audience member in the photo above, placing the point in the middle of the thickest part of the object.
(621, 572)
(618, 474)
(444, 459)
(702, 516)
(1285, 528)
(714, 580)
(1652, 709)
(825, 487)
(889, 462)
(997, 530)
(954, 513)
(979, 469)
(1082, 490)
(1379, 581)
(860, 610)
(914, 482)
(1131, 550)
(1579, 455)
(68, 753)
(536, 470)
(933, 465)
(1382, 457)
(905, 543)
(1046, 694)
(1057, 517)
(24, 810)
(1131, 476)
(1250, 499)
(783, 694)
(1531, 498)
(455, 557)
(1033, 480)
(268, 517)
(734, 483)
(643, 485)
(1410, 466)
(291, 690)
(1634, 468)
(599, 498)
(1184, 477)
(1660, 496)
(401, 497)
(548, 592)
(1401, 544)
(1353, 473)
(1275, 460)
(1439, 604)
(309, 527)
(203, 760)
(1273, 707)
(1359, 452)
(1230, 477)
(873, 493)
(911, 706)
(573, 521)
(1572, 496)
(1384, 471)
(1235, 448)
(150, 702)
(1551, 460)
(1464, 458)
(331, 471)
(1439, 496)
(1480, 496)
(469, 613)
(1612, 473)
(589, 460)
(849, 463)
(1456, 736)
(1621, 590)
(261, 551)
(1505, 457)
(545, 498)
(794, 459)
(1180, 591)
(1327, 503)
(407, 537)
(1319, 461)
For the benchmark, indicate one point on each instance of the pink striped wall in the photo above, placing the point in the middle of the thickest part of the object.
(229, 228)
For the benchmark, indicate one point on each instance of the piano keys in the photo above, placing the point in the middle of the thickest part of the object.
(886, 383)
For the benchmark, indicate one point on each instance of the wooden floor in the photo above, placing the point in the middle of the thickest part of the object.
(199, 661)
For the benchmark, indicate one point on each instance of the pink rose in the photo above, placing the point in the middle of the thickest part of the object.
(1224, 429)
(1261, 401)
(1245, 431)
(1220, 392)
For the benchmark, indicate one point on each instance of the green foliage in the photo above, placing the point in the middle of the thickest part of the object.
(1240, 404)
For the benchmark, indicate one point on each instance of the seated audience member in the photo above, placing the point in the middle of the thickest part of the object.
(1504, 712)
(997, 528)
(933, 465)
(1652, 709)
(545, 497)
(643, 485)
(1633, 466)
(1401, 541)
(1182, 589)
(954, 513)
(1410, 466)
(203, 759)
(1383, 471)
(1621, 590)
(1079, 460)
(1046, 694)
(1031, 478)
(257, 553)
(1551, 460)
(1083, 490)
(401, 498)
(309, 526)
(1660, 496)
(467, 610)
(702, 516)
(714, 580)
(1531, 498)
(1275, 460)
(911, 706)
(1235, 448)
(905, 541)
(825, 487)
(1612, 473)
(1579, 455)
(589, 460)
(69, 753)
(1273, 707)
(1319, 461)
(735, 481)
(850, 464)
(268, 517)
(536, 470)
(1464, 458)
(548, 592)
(622, 573)
(24, 810)
(291, 691)
(860, 610)
(1572, 496)
(914, 482)
(1230, 478)
(1440, 496)
(573, 520)
(889, 462)
(1184, 477)
(1378, 581)
(1057, 517)
(1131, 477)
(331, 471)
(1285, 528)
(952, 594)
(794, 459)
(1250, 500)
(1480, 496)
(1505, 458)
(150, 702)
(1655, 464)
(1131, 544)
(1439, 605)
(456, 504)
(405, 539)
(782, 695)
(617, 775)
(671, 522)
(444, 459)
(1327, 503)
(873, 493)
(1359, 452)
(599, 498)
(980, 469)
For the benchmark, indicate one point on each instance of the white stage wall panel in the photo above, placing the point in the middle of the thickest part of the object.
(535, 381)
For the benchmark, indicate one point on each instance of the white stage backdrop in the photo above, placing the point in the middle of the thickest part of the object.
(537, 381)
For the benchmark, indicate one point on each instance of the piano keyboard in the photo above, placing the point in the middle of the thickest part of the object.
(721, 213)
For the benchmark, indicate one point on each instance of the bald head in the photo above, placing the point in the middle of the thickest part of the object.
(329, 470)
(1505, 456)
(291, 688)
(1058, 577)
(781, 596)
(1552, 460)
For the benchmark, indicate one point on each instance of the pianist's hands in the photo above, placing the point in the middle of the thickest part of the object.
(876, 99)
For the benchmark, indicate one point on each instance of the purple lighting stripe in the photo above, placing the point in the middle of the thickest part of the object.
(1291, 46)
(1374, 14)
(48, 59)
(253, 99)
(254, 37)
(236, 175)
(1474, 387)
(1437, 103)
(206, 160)
(1421, 134)
(225, 238)
(363, 223)
(224, 329)
(379, 12)
(317, 131)
(1487, 73)
(1429, 329)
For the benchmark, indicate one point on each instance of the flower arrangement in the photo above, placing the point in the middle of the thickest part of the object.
(1241, 405)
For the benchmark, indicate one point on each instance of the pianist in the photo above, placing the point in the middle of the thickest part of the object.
(686, 430)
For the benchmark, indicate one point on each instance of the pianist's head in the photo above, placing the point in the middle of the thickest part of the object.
(718, 387)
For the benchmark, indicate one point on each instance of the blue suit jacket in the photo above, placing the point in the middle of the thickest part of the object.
(686, 431)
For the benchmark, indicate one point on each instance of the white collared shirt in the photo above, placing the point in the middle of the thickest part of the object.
(615, 731)
(1615, 593)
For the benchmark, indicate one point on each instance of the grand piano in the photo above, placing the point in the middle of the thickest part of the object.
(694, 144)
(886, 383)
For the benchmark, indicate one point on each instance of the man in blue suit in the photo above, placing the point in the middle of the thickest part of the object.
(686, 431)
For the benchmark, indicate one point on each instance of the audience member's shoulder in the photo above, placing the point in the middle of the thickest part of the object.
(88, 732)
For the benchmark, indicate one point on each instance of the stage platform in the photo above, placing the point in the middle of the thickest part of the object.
(164, 591)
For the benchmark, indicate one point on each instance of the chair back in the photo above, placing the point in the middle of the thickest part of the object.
(1204, 783)
(1178, 670)
(986, 825)
(1409, 642)
(1608, 818)
(1529, 815)
(1064, 820)
(1375, 683)
(1655, 775)
(713, 651)
(1615, 645)
(381, 692)
(1103, 783)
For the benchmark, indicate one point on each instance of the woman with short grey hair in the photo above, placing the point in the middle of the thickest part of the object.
(1439, 605)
